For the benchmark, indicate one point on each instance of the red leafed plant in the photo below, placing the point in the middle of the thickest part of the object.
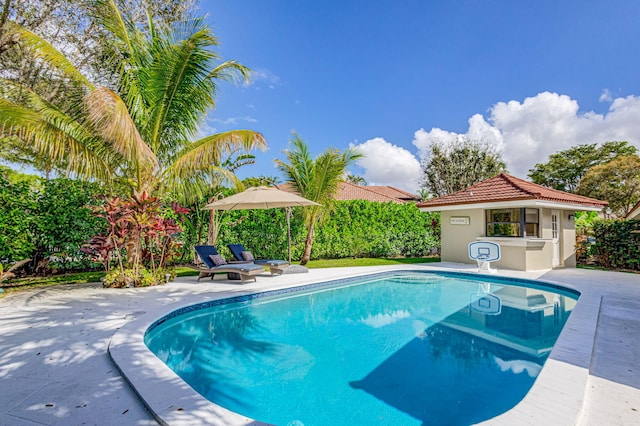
(139, 237)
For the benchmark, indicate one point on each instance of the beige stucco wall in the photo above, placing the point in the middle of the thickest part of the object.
(456, 238)
(525, 254)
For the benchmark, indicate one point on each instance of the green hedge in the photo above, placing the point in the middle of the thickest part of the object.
(47, 222)
(355, 229)
(17, 207)
(616, 244)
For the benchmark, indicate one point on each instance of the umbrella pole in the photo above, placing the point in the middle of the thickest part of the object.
(288, 214)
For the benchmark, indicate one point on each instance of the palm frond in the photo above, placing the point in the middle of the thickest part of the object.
(49, 133)
(212, 150)
(230, 71)
(178, 90)
(107, 14)
(192, 188)
(298, 170)
(109, 115)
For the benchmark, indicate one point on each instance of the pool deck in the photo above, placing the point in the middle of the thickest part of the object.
(55, 367)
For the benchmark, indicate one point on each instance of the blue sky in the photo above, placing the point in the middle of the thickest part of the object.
(390, 77)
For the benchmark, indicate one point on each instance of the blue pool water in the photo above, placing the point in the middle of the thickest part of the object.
(398, 349)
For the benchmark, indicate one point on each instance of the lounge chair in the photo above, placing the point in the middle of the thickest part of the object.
(275, 266)
(245, 271)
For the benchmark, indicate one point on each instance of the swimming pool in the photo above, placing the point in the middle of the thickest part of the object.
(395, 348)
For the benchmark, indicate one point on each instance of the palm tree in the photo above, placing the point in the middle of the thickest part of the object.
(356, 180)
(141, 132)
(315, 179)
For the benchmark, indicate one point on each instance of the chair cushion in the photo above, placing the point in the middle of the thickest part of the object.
(217, 259)
(248, 256)
(236, 250)
(204, 252)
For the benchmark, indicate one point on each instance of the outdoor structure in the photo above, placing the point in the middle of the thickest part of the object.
(533, 225)
(379, 194)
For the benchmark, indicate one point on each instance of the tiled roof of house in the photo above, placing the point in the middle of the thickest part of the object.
(392, 192)
(381, 194)
(505, 187)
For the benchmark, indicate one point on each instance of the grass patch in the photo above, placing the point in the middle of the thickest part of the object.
(185, 271)
(37, 282)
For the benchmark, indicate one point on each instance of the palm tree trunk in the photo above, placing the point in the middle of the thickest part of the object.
(214, 228)
(308, 242)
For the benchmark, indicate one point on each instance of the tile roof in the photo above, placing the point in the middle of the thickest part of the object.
(505, 187)
(392, 192)
(380, 194)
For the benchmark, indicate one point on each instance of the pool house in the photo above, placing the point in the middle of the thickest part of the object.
(534, 225)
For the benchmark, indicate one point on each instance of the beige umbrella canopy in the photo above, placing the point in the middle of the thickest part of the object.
(262, 197)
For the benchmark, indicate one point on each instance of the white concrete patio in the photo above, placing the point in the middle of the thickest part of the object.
(55, 369)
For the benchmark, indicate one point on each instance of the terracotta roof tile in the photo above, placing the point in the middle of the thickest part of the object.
(350, 191)
(505, 187)
(392, 192)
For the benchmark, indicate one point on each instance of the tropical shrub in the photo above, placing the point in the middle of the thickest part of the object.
(140, 278)
(139, 236)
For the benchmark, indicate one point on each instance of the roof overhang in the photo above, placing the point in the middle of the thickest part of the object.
(634, 213)
(532, 203)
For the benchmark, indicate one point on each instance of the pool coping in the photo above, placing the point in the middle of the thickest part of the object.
(557, 395)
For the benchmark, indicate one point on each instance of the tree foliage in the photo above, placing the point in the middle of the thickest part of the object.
(617, 182)
(565, 169)
(456, 166)
(139, 129)
(356, 180)
(67, 25)
(316, 179)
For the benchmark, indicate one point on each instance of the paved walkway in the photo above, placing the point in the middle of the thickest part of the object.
(55, 370)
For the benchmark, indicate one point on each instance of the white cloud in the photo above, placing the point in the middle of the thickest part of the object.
(548, 122)
(525, 132)
(388, 164)
(205, 129)
(528, 132)
(605, 96)
(263, 75)
(479, 130)
(233, 120)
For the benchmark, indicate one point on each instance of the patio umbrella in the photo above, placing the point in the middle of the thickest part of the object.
(262, 197)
